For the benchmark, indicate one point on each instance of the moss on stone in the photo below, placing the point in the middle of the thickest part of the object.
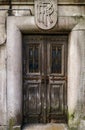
(83, 118)
(73, 128)
(71, 116)
(74, 122)
(11, 123)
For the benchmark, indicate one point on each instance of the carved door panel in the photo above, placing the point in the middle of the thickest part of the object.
(56, 72)
(44, 90)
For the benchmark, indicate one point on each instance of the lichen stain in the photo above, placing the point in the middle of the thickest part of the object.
(15, 121)
(11, 123)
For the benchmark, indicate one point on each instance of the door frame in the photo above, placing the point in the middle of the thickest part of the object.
(14, 63)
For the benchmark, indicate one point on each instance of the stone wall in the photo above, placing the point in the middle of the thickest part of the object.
(71, 19)
(3, 107)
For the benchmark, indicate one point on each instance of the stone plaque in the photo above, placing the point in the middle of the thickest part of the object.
(46, 13)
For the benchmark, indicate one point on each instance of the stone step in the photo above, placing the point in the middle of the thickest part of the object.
(50, 126)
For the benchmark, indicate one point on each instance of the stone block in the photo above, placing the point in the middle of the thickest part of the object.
(3, 15)
(50, 126)
(72, 11)
(82, 125)
(2, 34)
(16, 127)
(2, 86)
(3, 127)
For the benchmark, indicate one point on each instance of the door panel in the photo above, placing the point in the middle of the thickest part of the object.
(44, 59)
(57, 102)
(56, 49)
(32, 102)
(32, 109)
(33, 57)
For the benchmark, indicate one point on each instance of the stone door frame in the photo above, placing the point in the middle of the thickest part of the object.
(15, 27)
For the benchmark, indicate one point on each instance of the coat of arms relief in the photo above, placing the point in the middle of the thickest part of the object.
(46, 13)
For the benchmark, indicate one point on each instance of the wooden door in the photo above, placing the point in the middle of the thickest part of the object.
(44, 78)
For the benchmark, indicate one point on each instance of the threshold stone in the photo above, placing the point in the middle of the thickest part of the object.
(49, 126)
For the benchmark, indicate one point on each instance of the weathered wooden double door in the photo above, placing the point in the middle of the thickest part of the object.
(45, 96)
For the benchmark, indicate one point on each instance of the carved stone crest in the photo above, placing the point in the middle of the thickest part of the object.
(46, 13)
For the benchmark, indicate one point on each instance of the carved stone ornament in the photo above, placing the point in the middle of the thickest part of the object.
(46, 13)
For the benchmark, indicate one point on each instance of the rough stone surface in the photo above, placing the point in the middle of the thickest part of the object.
(74, 11)
(81, 96)
(16, 127)
(73, 56)
(47, 127)
(72, 1)
(2, 27)
(68, 17)
(82, 125)
(14, 75)
(74, 64)
(74, 70)
(3, 128)
(2, 85)
(23, 10)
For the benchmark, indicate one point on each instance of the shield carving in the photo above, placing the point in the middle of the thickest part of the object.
(46, 13)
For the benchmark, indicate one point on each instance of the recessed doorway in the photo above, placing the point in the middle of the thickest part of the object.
(44, 78)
